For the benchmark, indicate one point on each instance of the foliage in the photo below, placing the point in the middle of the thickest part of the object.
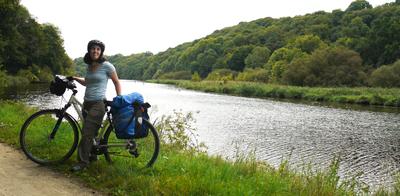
(386, 76)
(177, 131)
(196, 77)
(280, 60)
(27, 47)
(253, 75)
(281, 46)
(331, 66)
(359, 5)
(236, 59)
(179, 75)
(258, 57)
(221, 74)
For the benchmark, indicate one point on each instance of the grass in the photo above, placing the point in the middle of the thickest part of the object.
(191, 172)
(357, 95)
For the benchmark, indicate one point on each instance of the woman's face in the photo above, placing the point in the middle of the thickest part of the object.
(95, 52)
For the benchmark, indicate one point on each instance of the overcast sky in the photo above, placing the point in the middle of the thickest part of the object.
(132, 26)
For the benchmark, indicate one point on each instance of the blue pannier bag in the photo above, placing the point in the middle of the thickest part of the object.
(126, 112)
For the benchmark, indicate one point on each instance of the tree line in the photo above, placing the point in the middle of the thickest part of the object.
(29, 51)
(355, 47)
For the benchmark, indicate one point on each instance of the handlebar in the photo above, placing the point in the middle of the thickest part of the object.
(69, 83)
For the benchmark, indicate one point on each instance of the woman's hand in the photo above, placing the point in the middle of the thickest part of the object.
(78, 79)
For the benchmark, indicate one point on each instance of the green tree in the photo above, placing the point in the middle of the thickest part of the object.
(236, 60)
(386, 76)
(258, 57)
(332, 66)
(205, 62)
(279, 61)
(359, 5)
(307, 43)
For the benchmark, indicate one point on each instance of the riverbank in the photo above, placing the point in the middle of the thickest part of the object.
(343, 95)
(191, 172)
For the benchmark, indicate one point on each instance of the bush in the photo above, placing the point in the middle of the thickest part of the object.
(3, 77)
(253, 75)
(25, 73)
(177, 131)
(386, 76)
(178, 75)
(45, 75)
(221, 75)
(196, 77)
(330, 66)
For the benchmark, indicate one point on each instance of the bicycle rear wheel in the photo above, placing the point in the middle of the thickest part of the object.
(46, 138)
(139, 153)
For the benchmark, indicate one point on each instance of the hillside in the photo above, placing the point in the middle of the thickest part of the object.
(354, 47)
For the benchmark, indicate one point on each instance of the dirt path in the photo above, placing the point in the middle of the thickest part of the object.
(20, 176)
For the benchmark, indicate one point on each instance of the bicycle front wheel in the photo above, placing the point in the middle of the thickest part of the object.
(139, 153)
(49, 138)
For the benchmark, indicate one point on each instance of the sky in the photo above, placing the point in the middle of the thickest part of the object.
(131, 26)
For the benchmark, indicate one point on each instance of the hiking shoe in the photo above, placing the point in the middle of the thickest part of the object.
(79, 167)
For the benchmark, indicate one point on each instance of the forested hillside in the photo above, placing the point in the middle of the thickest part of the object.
(29, 51)
(358, 46)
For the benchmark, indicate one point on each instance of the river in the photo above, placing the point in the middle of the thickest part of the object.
(367, 141)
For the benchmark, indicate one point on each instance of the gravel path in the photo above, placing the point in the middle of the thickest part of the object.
(20, 176)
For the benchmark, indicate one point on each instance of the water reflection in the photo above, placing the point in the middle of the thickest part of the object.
(367, 141)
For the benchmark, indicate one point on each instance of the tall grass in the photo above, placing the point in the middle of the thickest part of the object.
(184, 170)
(356, 95)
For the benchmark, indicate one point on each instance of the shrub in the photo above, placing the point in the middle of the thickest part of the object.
(386, 76)
(253, 75)
(221, 74)
(178, 75)
(45, 75)
(196, 77)
(26, 73)
(178, 132)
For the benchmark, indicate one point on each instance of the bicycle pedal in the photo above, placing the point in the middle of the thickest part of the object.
(134, 153)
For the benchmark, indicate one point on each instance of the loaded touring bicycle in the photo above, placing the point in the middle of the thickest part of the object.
(51, 136)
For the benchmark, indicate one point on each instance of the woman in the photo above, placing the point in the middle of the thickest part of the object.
(98, 72)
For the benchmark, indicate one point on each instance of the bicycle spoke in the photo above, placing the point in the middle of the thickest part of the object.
(35, 142)
(142, 152)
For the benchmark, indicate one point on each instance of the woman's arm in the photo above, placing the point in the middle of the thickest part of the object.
(79, 80)
(114, 78)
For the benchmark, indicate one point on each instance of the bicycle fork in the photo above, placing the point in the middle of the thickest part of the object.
(60, 116)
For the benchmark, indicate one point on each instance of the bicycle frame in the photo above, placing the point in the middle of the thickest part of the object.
(78, 106)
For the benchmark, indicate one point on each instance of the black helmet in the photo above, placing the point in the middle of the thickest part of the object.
(92, 43)
(97, 43)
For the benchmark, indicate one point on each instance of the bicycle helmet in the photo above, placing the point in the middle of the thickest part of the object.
(96, 43)
(92, 43)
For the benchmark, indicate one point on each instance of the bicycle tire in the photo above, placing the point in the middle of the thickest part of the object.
(147, 147)
(37, 144)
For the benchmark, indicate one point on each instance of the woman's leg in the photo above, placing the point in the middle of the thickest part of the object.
(91, 125)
